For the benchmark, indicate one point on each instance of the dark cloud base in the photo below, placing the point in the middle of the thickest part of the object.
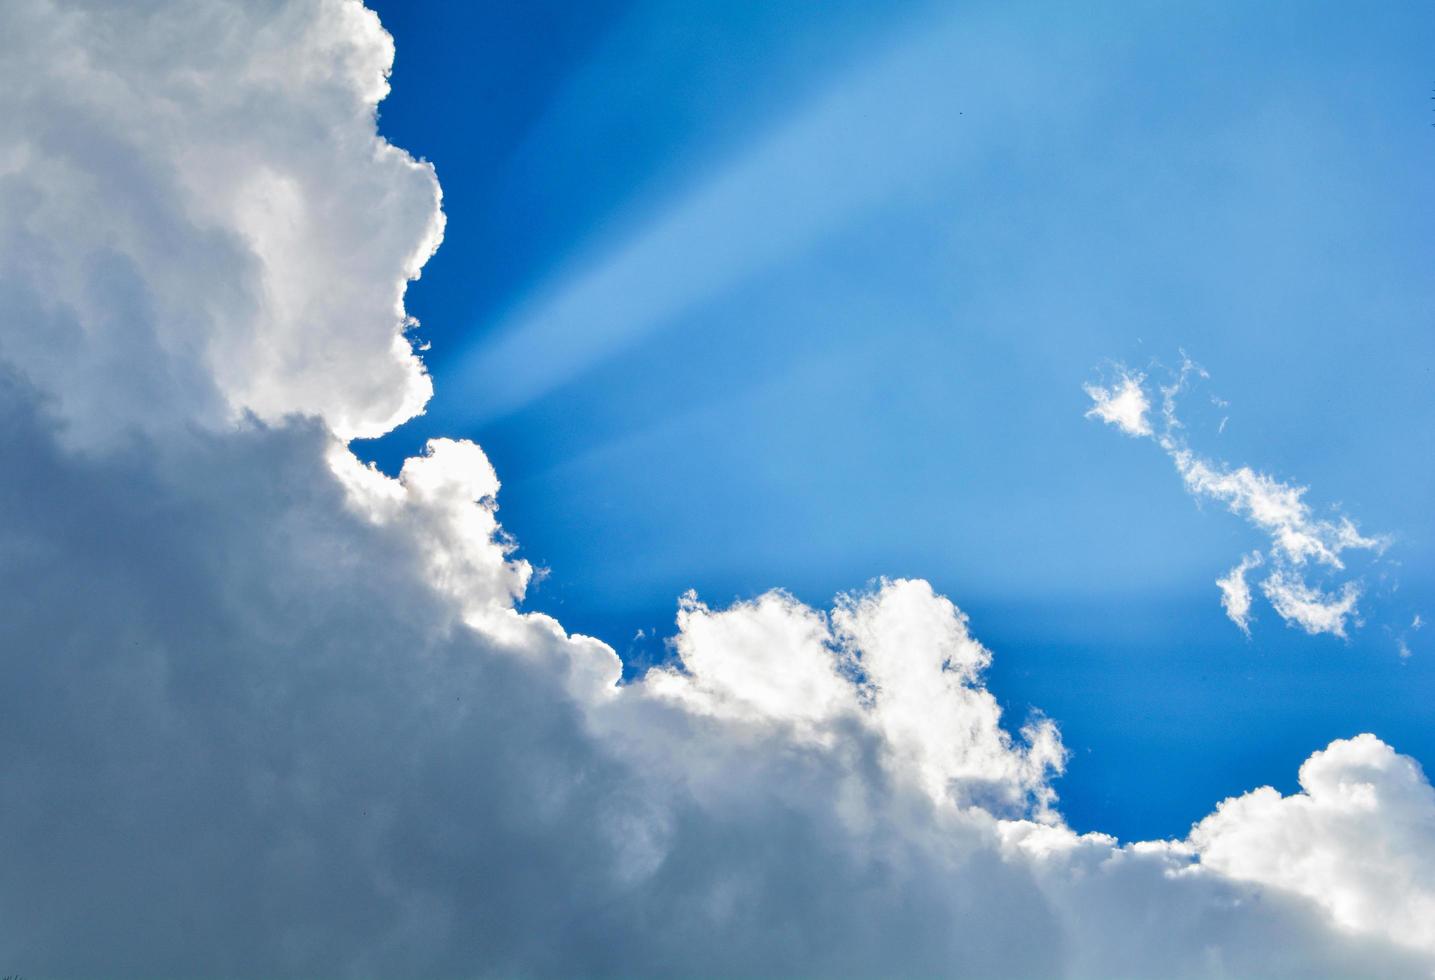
(239, 740)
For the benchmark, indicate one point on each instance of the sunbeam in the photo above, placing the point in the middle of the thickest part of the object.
(874, 138)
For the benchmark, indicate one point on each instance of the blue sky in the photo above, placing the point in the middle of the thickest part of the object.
(742, 296)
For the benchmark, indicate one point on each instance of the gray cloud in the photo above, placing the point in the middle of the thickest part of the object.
(267, 712)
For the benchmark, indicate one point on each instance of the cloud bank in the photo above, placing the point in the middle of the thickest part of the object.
(270, 712)
(1299, 540)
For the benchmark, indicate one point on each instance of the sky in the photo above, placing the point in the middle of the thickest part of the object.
(796, 295)
(551, 490)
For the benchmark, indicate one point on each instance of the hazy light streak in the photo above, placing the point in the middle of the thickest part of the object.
(871, 139)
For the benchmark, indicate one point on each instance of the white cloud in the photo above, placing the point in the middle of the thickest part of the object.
(898, 662)
(1359, 840)
(1311, 609)
(1277, 508)
(1402, 642)
(1236, 592)
(771, 660)
(182, 216)
(1123, 405)
(259, 690)
(1297, 536)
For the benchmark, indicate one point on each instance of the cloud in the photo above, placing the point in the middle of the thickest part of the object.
(1402, 642)
(1359, 839)
(1277, 508)
(1298, 538)
(1311, 609)
(270, 712)
(191, 255)
(1123, 405)
(898, 663)
(1236, 592)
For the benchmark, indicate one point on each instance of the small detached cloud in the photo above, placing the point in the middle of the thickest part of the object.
(1123, 404)
(1236, 592)
(1276, 508)
(1298, 538)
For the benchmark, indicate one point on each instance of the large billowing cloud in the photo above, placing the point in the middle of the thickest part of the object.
(269, 712)
(203, 217)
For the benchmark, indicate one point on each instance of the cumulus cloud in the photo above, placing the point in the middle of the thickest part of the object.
(270, 712)
(898, 662)
(1298, 537)
(182, 219)
(1358, 839)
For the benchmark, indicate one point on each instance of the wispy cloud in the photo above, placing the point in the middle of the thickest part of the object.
(1402, 642)
(1303, 605)
(1236, 591)
(1123, 405)
(1298, 538)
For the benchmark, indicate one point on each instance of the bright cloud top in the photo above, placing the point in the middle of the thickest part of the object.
(221, 269)
(1321, 842)
(261, 690)
(1298, 538)
(898, 661)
